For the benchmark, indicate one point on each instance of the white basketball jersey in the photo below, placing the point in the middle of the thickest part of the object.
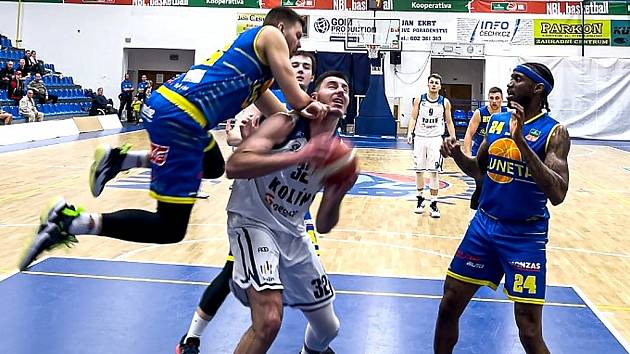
(279, 200)
(430, 122)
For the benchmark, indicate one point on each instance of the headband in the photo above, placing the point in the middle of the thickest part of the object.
(534, 76)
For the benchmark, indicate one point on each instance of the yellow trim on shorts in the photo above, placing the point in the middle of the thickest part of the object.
(259, 55)
(172, 200)
(184, 104)
(465, 279)
(550, 134)
(524, 300)
(212, 143)
(229, 258)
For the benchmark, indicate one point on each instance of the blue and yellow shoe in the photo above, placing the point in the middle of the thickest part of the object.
(187, 346)
(52, 232)
(107, 163)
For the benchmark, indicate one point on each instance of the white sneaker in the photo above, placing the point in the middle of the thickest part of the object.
(434, 211)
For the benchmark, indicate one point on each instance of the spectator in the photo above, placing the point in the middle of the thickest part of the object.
(126, 94)
(40, 90)
(27, 55)
(142, 88)
(137, 106)
(28, 109)
(23, 68)
(16, 87)
(5, 117)
(36, 66)
(6, 75)
(101, 105)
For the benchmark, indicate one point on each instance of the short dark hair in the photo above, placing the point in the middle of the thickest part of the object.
(330, 73)
(495, 90)
(542, 70)
(435, 76)
(283, 14)
(310, 56)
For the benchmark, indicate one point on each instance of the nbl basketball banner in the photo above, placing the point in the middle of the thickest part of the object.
(569, 8)
(513, 32)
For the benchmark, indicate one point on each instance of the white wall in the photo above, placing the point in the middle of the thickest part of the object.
(461, 71)
(159, 59)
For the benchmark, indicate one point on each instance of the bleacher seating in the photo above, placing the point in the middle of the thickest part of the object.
(72, 98)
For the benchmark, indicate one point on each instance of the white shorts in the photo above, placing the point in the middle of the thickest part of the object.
(273, 260)
(426, 153)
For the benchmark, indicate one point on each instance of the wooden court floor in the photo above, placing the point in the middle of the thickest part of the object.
(588, 245)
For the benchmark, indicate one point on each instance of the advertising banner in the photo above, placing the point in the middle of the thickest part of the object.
(245, 21)
(570, 8)
(620, 33)
(512, 32)
(431, 5)
(569, 32)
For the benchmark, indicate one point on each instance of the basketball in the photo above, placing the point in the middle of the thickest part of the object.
(341, 165)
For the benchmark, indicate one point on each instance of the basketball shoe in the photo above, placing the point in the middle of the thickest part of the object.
(434, 211)
(52, 232)
(190, 346)
(107, 163)
(420, 205)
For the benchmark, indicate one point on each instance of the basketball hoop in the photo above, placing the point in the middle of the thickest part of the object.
(372, 50)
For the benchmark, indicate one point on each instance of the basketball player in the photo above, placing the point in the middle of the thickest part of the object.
(476, 131)
(429, 114)
(523, 158)
(275, 262)
(247, 122)
(177, 119)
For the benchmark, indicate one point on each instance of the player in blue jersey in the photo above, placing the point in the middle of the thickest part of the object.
(523, 160)
(246, 123)
(475, 133)
(178, 117)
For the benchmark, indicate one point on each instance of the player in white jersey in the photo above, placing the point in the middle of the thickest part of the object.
(275, 262)
(430, 113)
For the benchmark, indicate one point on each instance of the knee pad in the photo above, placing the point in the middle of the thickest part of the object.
(434, 180)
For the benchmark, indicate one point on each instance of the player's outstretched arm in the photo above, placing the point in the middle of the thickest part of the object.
(328, 212)
(473, 124)
(276, 52)
(268, 104)
(253, 159)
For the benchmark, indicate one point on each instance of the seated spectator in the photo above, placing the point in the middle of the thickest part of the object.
(35, 66)
(28, 109)
(101, 105)
(5, 117)
(6, 75)
(23, 68)
(16, 87)
(27, 55)
(40, 91)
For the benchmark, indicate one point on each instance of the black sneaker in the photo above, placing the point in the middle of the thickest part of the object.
(435, 212)
(107, 163)
(52, 232)
(191, 346)
(420, 205)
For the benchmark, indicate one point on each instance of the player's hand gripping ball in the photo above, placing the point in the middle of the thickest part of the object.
(341, 165)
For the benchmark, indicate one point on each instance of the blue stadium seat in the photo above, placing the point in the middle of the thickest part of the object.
(470, 114)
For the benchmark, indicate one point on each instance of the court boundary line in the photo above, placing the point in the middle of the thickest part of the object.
(345, 292)
(589, 304)
(28, 148)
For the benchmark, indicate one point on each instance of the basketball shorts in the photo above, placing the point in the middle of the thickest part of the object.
(178, 144)
(426, 153)
(271, 260)
(474, 148)
(492, 248)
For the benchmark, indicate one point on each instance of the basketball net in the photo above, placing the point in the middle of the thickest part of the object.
(376, 61)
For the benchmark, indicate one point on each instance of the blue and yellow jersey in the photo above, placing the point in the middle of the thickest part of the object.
(509, 192)
(483, 122)
(219, 88)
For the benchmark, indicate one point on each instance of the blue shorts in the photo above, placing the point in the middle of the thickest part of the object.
(178, 144)
(492, 248)
(474, 148)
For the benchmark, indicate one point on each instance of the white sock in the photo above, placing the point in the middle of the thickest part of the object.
(86, 224)
(434, 198)
(197, 326)
(134, 159)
